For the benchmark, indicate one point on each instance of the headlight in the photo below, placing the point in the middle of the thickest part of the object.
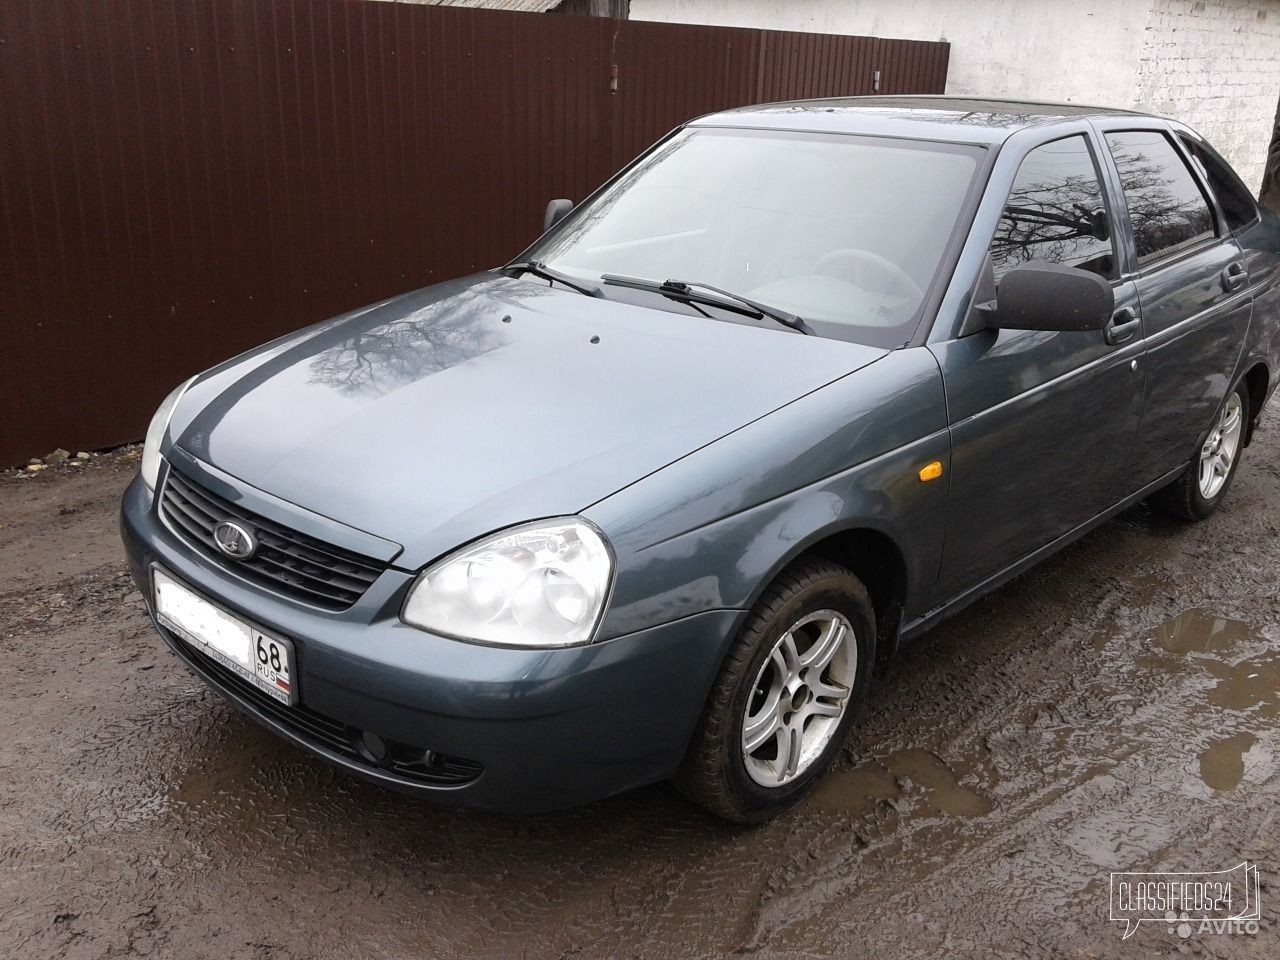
(543, 584)
(155, 433)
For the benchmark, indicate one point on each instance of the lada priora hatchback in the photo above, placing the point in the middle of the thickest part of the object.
(654, 499)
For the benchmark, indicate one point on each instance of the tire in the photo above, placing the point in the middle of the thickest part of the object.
(1188, 497)
(808, 600)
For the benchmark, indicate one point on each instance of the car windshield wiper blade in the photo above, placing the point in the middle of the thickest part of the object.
(715, 296)
(540, 269)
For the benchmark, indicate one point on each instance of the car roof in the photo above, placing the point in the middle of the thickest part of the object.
(984, 120)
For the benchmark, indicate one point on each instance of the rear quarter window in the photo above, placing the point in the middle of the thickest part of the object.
(1168, 211)
(1238, 208)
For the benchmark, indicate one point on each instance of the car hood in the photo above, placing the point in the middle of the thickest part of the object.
(438, 416)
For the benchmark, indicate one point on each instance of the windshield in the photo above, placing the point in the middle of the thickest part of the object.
(845, 232)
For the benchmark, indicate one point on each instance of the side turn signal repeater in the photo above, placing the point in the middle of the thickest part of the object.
(931, 471)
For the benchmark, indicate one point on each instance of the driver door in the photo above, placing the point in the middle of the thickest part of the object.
(1042, 423)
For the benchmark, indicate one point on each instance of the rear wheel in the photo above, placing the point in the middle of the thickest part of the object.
(786, 696)
(1199, 491)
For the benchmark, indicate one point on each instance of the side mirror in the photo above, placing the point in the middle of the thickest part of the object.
(1046, 296)
(556, 211)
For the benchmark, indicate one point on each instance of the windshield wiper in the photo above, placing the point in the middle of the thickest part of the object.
(540, 269)
(688, 290)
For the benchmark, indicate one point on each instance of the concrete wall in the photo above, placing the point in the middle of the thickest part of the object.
(1214, 64)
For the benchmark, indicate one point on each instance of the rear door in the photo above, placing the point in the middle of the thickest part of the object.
(1041, 422)
(1193, 289)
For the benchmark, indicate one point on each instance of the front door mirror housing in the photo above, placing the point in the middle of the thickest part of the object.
(1049, 296)
(556, 211)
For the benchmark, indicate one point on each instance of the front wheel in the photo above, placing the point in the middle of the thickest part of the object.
(1199, 491)
(786, 696)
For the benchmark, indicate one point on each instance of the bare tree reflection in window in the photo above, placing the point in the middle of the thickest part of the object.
(1055, 212)
(1166, 207)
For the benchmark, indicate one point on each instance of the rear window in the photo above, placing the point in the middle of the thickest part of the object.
(1236, 202)
(1166, 207)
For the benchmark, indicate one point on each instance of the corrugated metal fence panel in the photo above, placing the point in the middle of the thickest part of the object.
(183, 179)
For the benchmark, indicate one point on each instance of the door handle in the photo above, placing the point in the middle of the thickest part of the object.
(1234, 277)
(1122, 327)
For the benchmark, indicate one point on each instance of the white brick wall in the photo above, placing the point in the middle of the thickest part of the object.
(1214, 64)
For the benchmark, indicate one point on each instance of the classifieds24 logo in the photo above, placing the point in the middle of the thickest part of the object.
(1217, 901)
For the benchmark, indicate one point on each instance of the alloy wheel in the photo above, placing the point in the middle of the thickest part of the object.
(799, 697)
(1220, 449)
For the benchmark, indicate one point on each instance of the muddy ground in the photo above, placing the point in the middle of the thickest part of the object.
(1115, 709)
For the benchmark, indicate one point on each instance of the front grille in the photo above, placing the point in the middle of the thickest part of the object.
(410, 763)
(286, 561)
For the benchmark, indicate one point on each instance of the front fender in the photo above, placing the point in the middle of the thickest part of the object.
(713, 529)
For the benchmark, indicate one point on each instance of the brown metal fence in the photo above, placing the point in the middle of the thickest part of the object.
(183, 179)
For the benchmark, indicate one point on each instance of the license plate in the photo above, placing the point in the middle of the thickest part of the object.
(264, 660)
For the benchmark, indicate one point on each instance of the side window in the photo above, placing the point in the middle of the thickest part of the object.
(1166, 207)
(1236, 201)
(1055, 213)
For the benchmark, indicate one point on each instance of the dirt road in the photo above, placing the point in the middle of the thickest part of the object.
(1115, 709)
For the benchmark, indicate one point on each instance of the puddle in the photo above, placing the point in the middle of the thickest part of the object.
(1245, 685)
(1242, 685)
(1222, 762)
(1248, 690)
(915, 776)
(854, 793)
(1199, 631)
(943, 790)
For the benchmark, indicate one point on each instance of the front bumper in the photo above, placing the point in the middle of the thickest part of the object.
(540, 729)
